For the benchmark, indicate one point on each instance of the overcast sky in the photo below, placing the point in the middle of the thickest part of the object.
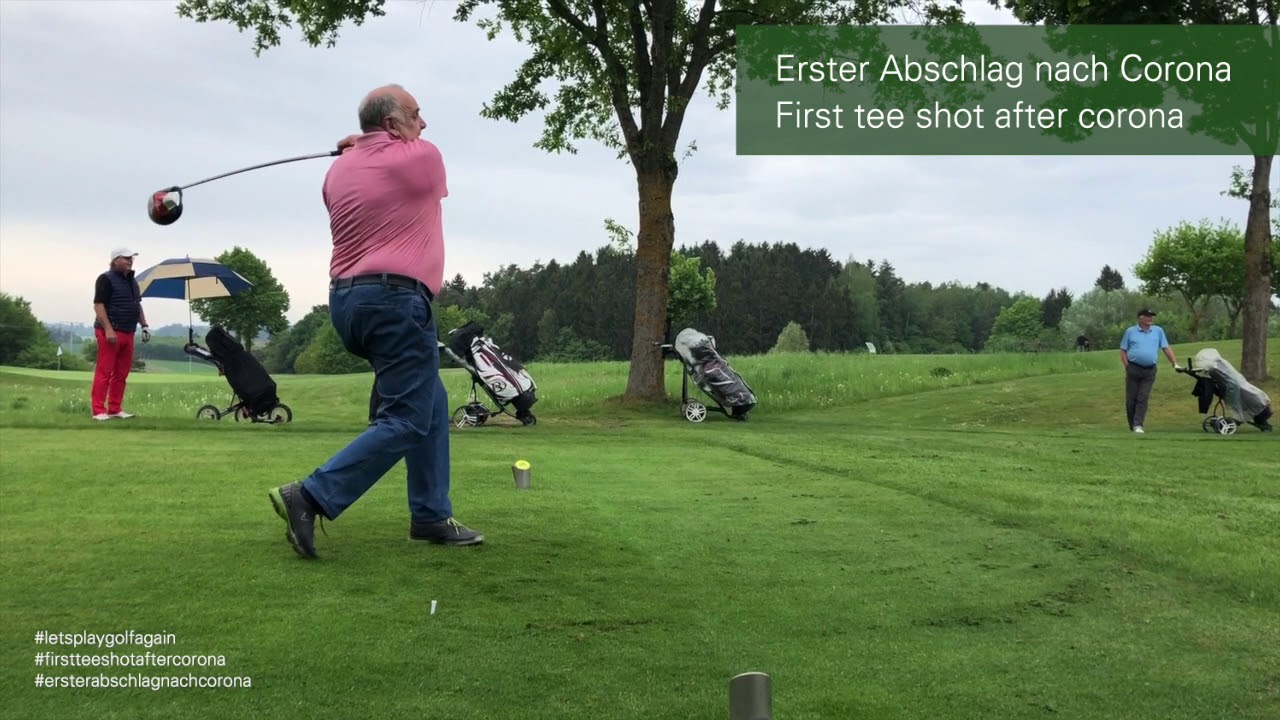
(102, 103)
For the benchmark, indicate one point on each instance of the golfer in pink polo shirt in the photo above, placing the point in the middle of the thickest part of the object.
(383, 195)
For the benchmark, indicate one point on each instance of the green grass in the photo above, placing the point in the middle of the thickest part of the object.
(883, 540)
(180, 366)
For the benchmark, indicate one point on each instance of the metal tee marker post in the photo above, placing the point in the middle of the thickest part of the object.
(520, 470)
(750, 697)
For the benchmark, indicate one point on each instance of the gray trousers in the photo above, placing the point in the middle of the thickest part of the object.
(1137, 389)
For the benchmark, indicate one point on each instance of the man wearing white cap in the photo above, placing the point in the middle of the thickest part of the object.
(117, 309)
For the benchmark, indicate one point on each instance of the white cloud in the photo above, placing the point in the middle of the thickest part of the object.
(103, 103)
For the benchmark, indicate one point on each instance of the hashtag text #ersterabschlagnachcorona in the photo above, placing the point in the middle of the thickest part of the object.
(147, 682)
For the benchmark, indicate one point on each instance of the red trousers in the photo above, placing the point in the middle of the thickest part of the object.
(111, 371)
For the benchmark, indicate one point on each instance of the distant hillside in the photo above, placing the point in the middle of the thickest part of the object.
(63, 332)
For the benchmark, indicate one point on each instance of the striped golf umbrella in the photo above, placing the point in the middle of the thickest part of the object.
(188, 279)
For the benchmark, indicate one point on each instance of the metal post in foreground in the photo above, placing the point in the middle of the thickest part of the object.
(750, 697)
(521, 472)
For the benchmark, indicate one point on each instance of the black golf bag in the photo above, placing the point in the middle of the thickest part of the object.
(713, 375)
(1233, 398)
(246, 376)
(504, 379)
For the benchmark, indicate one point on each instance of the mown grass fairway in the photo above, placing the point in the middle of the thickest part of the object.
(886, 540)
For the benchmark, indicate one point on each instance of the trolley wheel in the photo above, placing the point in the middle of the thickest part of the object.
(1210, 424)
(1226, 426)
(280, 414)
(695, 411)
(463, 419)
(478, 413)
(208, 412)
(529, 420)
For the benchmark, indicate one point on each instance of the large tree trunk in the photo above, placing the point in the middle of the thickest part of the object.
(653, 259)
(1195, 322)
(1233, 315)
(1257, 273)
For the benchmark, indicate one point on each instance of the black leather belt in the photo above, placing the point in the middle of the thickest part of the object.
(393, 279)
(1144, 367)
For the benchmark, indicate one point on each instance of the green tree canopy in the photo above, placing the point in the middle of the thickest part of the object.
(261, 307)
(1053, 305)
(326, 355)
(1109, 280)
(285, 347)
(860, 282)
(1195, 262)
(692, 289)
(19, 328)
(1018, 327)
(1102, 315)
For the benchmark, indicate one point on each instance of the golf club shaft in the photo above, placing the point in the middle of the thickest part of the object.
(330, 153)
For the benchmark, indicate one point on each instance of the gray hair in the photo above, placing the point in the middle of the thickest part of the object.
(378, 106)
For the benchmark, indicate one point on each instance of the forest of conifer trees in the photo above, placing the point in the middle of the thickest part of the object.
(583, 310)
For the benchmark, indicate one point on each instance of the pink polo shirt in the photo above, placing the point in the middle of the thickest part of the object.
(383, 197)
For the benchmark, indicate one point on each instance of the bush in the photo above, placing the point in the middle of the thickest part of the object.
(569, 347)
(1017, 328)
(792, 339)
(44, 356)
(326, 355)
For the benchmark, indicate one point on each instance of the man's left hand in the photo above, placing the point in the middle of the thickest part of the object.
(146, 334)
(347, 142)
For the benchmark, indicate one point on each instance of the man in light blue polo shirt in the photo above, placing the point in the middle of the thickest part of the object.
(1140, 350)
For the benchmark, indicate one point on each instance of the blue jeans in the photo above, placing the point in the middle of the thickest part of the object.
(394, 329)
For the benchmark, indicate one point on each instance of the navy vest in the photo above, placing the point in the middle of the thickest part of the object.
(122, 308)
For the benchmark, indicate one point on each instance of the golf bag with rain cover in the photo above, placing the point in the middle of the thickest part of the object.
(246, 376)
(504, 379)
(712, 374)
(1238, 401)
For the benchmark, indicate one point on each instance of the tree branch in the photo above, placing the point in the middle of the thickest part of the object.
(673, 81)
(615, 73)
(563, 12)
(662, 20)
(699, 58)
(644, 69)
(726, 44)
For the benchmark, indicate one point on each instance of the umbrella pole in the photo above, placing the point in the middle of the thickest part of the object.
(191, 326)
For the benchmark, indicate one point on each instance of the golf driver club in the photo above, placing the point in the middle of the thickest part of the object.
(165, 206)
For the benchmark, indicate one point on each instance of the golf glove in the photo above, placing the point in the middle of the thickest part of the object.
(146, 334)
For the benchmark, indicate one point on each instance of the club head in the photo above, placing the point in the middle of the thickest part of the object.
(165, 206)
